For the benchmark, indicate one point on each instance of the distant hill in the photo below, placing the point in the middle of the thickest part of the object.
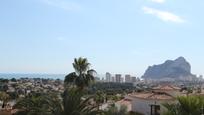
(170, 69)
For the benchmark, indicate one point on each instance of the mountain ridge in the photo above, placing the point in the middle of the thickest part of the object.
(178, 68)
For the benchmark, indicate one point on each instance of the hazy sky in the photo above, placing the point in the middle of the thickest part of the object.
(118, 36)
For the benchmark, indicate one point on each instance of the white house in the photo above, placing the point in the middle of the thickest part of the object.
(149, 103)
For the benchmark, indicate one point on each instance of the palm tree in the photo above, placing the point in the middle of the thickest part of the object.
(75, 103)
(113, 110)
(99, 98)
(189, 105)
(37, 105)
(83, 76)
(72, 103)
(4, 97)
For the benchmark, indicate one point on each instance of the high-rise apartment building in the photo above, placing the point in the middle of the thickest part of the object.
(112, 79)
(108, 77)
(128, 79)
(118, 78)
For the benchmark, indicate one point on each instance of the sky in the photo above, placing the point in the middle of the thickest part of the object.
(117, 36)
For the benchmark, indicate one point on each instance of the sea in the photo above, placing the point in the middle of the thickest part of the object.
(26, 75)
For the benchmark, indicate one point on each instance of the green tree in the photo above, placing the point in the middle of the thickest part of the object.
(4, 80)
(99, 98)
(13, 80)
(189, 105)
(4, 97)
(83, 76)
(37, 105)
(113, 110)
(75, 103)
(72, 103)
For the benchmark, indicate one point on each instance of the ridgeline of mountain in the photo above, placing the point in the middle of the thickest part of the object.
(172, 69)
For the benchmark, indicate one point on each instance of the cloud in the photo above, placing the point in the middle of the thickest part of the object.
(159, 1)
(163, 15)
(65, 5)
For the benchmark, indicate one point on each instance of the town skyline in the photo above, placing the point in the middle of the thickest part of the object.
(100, 75)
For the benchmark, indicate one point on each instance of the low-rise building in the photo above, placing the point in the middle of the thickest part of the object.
(149, 103)
(169, 89)
(126, 103)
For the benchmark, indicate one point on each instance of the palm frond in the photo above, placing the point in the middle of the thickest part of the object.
(70, 78)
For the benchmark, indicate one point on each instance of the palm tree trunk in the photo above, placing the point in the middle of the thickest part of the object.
(98, 107)
(3, 104)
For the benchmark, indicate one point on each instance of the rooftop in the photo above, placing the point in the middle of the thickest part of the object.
(152, 96)
(166, 87)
